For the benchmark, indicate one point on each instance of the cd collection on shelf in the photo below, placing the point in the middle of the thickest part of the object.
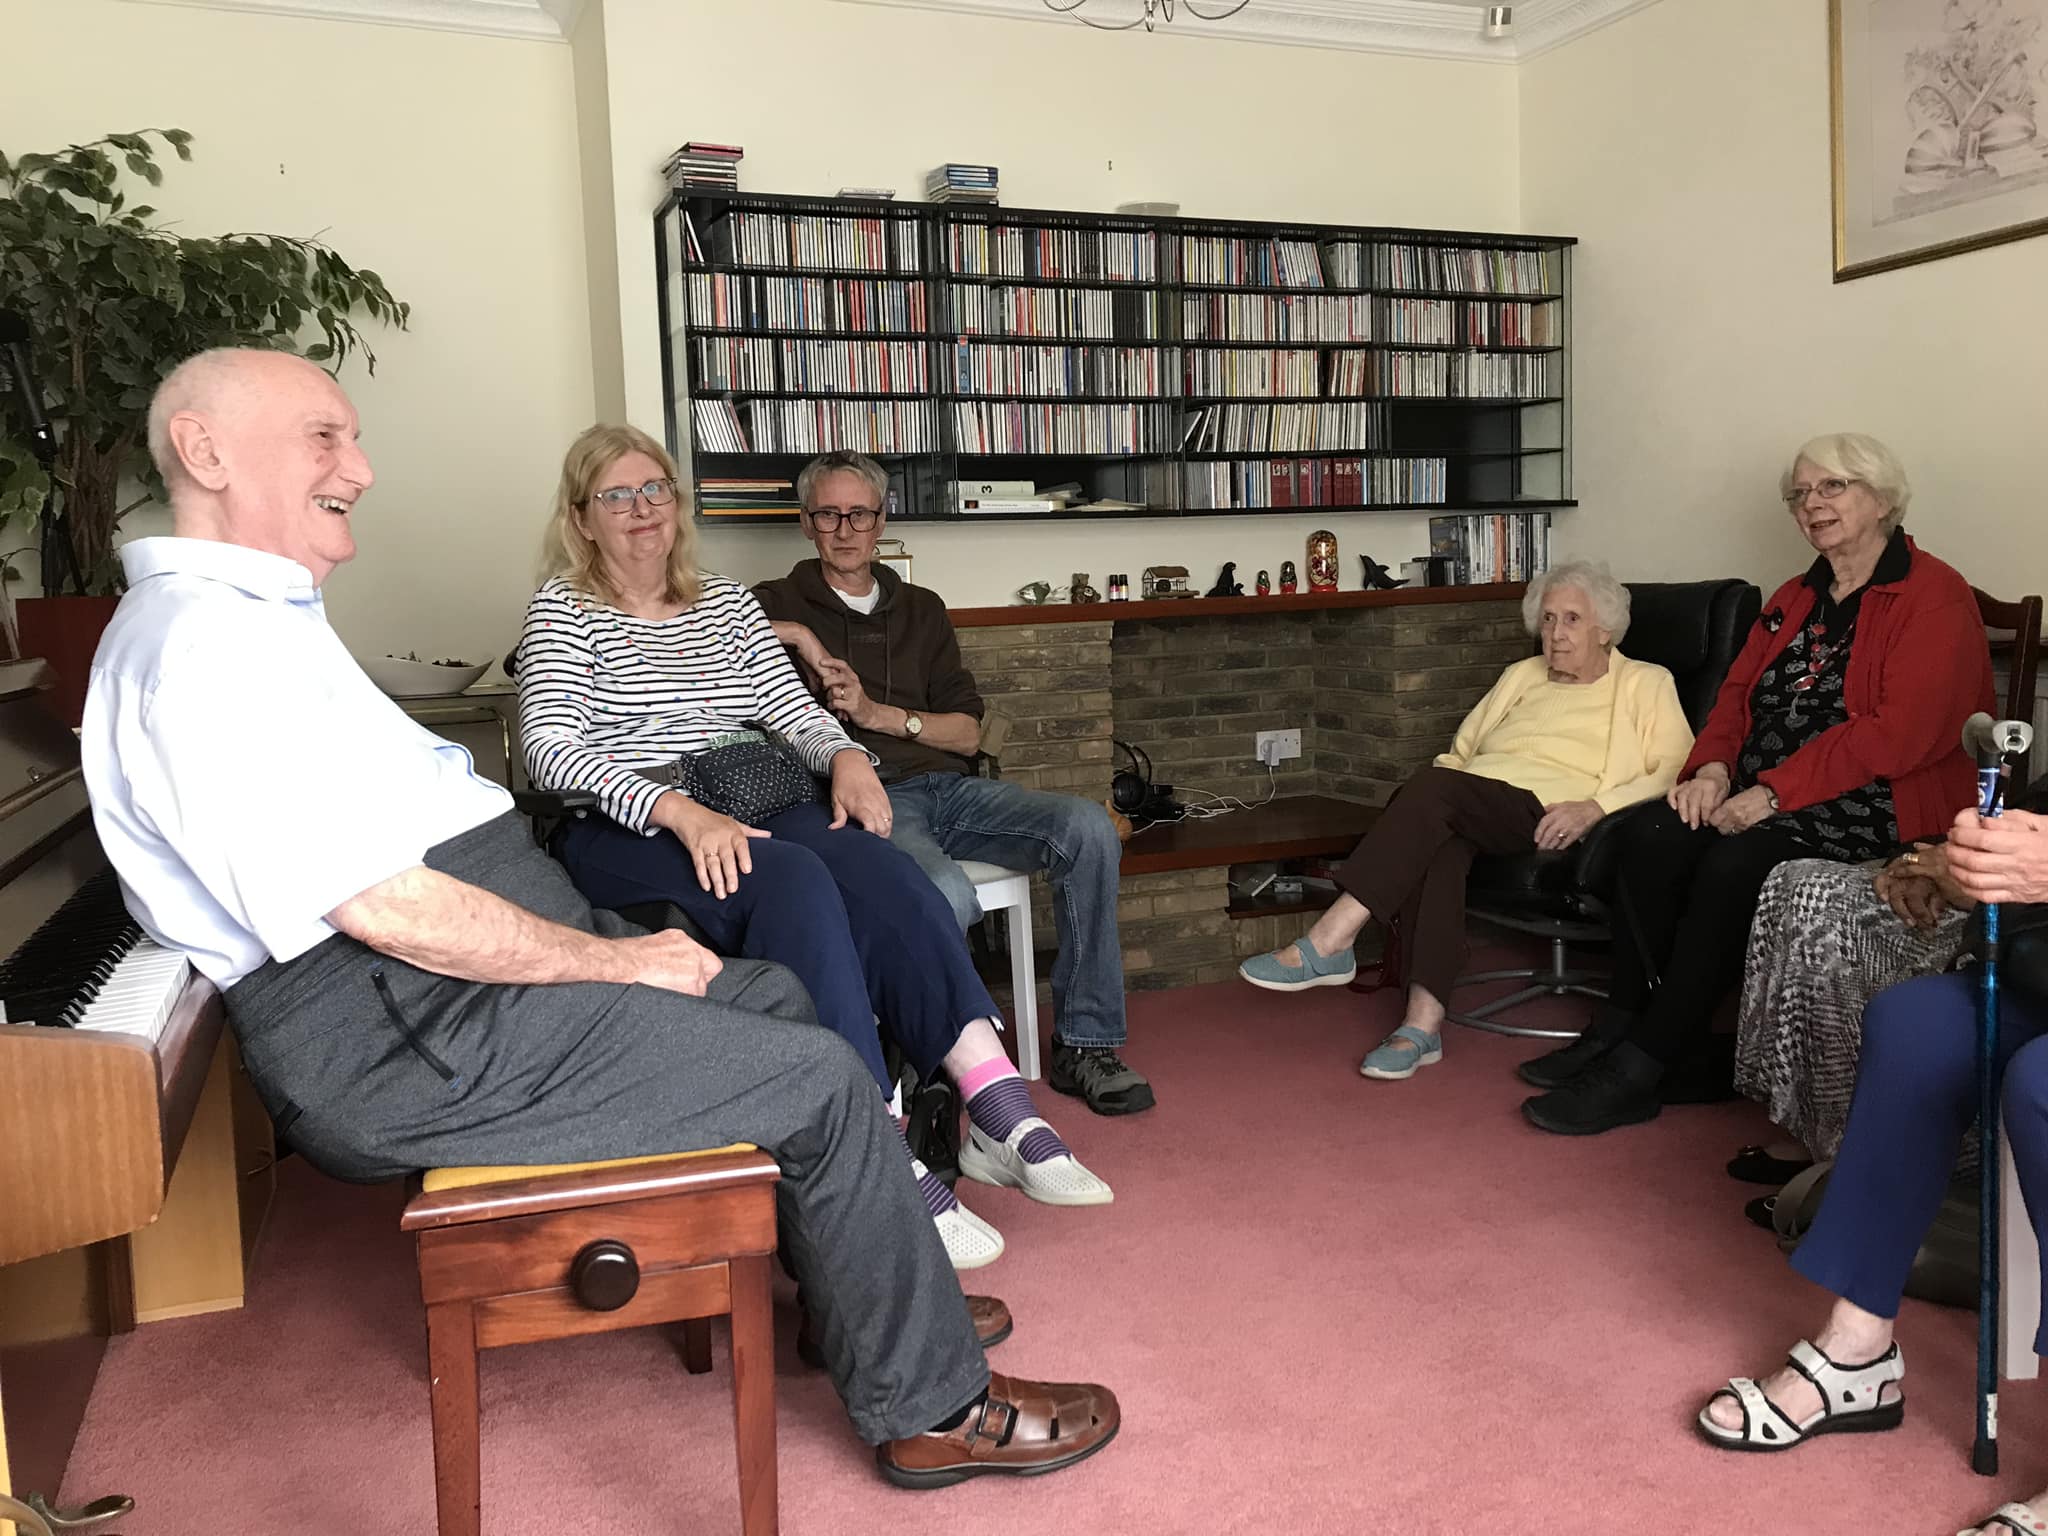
(1262, 484)
(1495, 546)
(817, 426)
(1235, 366)
(997, 368)
(753, 365)
(1011, 250)
(1020, 426)
(1286, 428)
(1097, 313)
(750, 301)
(849, 242)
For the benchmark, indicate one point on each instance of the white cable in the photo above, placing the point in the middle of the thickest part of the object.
(1224, 805)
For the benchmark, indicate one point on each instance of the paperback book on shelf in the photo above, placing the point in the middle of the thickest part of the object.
(737, 496)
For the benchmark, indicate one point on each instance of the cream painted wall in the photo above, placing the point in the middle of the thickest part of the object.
(1688, 146)
(825, 94)
(449, 164)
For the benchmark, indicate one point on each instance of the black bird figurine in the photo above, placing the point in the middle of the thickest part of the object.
(1377, 577)
(1227, 584)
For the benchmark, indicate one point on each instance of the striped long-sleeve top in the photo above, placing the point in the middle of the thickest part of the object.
(602, 693)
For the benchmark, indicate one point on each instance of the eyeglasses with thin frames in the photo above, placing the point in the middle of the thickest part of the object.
(1827, 489)
(859, 519)
(619, 499)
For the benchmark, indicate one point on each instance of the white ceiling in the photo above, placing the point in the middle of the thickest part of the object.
(1430, 28)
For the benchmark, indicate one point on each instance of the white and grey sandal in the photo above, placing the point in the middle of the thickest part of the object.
(2009, 1517)
(1852, 1402)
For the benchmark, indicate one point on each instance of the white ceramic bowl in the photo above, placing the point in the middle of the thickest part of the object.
(421, 679)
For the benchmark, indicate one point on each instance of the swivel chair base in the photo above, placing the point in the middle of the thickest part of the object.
(1561, 979)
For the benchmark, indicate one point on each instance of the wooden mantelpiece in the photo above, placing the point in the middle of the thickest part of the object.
(1226, 607)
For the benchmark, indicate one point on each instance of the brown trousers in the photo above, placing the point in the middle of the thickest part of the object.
(1413, 863)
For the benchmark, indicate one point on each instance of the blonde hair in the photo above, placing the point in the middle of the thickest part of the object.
(568, 553)
(1854, 456)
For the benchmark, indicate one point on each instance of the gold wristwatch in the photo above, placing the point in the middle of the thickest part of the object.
(913, 724)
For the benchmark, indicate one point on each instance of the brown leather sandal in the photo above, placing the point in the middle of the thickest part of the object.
(1021, 1429)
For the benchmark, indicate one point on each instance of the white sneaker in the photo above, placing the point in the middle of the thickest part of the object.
(1056, 1181)
(970, 1241)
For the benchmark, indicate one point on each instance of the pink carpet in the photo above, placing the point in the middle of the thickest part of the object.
(1328, 1305)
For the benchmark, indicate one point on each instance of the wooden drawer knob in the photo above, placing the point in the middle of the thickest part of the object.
(605, 1275)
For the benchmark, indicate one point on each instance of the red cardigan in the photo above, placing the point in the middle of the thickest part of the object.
(1918, 669)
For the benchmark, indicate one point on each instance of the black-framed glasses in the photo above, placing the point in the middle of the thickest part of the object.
(618, 499)
(859, 519)
(1827, 489)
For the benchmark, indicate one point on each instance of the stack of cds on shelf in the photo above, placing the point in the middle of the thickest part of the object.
(704, 168)
(870, 194)
(951, 183)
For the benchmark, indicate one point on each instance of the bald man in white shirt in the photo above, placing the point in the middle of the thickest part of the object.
(414, 984)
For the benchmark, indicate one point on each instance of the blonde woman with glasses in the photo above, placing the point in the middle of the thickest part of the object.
(640, 680)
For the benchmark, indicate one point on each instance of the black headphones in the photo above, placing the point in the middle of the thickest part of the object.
(1131, 787)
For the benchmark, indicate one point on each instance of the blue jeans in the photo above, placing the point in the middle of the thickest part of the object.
(941, 817)
(863, 930)
(1916, 1093)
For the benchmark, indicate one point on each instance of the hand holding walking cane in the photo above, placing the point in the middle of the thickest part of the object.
(1994, 744)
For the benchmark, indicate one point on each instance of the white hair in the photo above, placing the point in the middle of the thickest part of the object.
(1608, 596)
(1853, 456)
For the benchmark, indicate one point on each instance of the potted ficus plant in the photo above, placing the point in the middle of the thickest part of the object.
(110, 300)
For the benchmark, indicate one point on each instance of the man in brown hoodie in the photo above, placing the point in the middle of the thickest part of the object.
(887, 663)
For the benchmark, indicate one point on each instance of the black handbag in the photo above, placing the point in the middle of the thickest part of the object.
(749, 775)
(1944, 1267)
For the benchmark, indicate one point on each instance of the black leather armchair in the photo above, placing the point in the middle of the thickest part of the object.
(1694, 629)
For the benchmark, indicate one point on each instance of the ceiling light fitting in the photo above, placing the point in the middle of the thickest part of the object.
(1154, 11)
(1500, 20)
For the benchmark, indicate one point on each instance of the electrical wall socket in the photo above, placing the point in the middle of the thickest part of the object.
(1277, 746)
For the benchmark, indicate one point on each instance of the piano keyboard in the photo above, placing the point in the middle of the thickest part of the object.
(90, 966)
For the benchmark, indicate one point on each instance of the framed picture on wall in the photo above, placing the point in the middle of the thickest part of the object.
(1940, 128)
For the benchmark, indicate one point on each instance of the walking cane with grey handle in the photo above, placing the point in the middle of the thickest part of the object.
(1994, 744)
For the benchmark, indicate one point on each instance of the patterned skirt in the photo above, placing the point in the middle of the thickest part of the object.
(1822, 945)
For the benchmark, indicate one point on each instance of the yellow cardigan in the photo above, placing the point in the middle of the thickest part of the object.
(1647, 740)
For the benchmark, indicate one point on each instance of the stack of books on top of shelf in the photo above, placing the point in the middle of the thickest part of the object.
(704, 167)
(871, 194)
(951, 183)
(737, 496)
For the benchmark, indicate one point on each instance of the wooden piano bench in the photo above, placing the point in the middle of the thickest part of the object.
(522, 1255)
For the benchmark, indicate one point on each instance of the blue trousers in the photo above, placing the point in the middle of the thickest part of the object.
(941, 817)
(856, 919)
(1916, 1094)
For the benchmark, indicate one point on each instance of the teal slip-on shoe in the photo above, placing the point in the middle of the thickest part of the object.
(1402, 1054)
(1316, 969)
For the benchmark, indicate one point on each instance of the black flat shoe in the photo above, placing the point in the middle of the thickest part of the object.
(1760, 1211)
(1553, 1069)
(1618, 1089)
(1753, 1165)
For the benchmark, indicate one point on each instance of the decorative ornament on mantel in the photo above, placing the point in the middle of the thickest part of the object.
(1150, 13)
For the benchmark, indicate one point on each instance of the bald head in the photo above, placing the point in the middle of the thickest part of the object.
(259, 449)
(219, 385)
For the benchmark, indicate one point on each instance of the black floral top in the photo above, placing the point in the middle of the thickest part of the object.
(1798, 696)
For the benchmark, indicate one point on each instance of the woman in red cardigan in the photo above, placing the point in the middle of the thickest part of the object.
(1837, 735)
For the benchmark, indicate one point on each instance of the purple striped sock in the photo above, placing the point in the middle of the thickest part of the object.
(938, 1199)
(998, 1108)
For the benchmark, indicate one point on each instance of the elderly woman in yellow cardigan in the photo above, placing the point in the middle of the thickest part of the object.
(1562, 740)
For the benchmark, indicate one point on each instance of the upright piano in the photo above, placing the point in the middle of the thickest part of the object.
(134, 1160)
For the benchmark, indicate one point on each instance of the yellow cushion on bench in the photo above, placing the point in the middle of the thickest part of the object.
(460, 1178)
